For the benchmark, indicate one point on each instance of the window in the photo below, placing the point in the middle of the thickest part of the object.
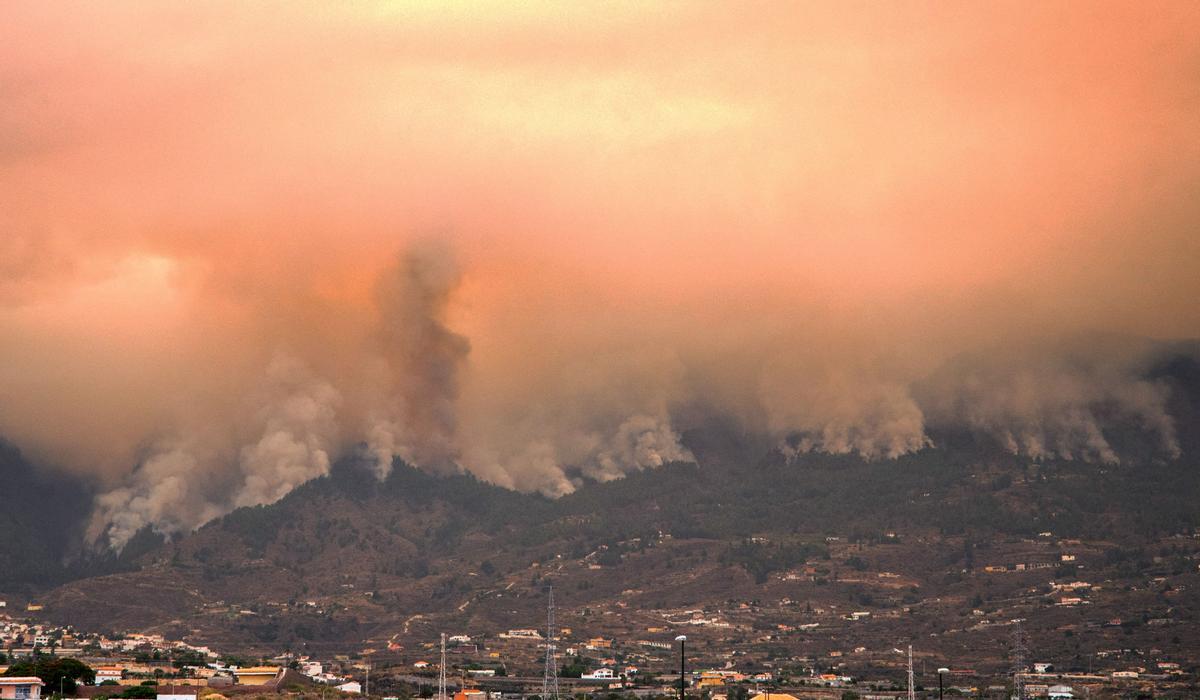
(24, 692)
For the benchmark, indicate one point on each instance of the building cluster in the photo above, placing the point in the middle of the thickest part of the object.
(135, 658)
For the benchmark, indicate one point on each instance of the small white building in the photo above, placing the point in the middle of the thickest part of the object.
(600, 674)
(351, 687)
(1060, 692)
(109, 673)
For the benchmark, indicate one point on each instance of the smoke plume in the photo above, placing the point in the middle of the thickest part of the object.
(852, 230)
(416, 419)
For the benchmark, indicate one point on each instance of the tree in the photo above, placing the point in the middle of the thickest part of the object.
(56, 673)
(144, 692)
(574, 669)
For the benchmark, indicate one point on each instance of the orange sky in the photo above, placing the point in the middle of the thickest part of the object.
(647, 205)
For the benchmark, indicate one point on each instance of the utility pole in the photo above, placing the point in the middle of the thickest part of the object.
(682, 639)
(550, 674)
(367, 685)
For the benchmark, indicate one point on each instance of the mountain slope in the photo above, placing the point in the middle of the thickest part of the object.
(41, 522)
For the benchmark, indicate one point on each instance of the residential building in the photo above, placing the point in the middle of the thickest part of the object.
(256, 675)
(109, 673)
(21, 688)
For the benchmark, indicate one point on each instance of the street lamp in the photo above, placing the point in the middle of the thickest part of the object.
(682, 639)
(940, 672)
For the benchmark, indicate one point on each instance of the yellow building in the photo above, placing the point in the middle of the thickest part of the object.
(256, 675)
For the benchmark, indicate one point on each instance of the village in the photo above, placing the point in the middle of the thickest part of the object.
(845, 630)
(717, 663)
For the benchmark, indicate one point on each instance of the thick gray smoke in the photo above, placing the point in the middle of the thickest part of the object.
(1063, 402)
(418, 383)
(195, 476)
(602, 415)
(840, 410)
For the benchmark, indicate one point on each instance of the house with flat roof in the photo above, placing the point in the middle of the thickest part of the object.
(21, 688)
(256, 675)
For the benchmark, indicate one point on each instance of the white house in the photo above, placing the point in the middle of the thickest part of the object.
(350, 687)
(109, 673)
(1060, 692)
(600, 674)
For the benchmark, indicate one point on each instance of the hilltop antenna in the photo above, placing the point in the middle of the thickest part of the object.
(442, 671)
(1018, 658)
(550, 676)
(912, 691)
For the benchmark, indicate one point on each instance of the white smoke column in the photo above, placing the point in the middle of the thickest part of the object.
(422, 358)
(162, 493)
(816, 405)
(532, 466)
(600, 412)
(541, 463)
(187, 482)
(641, 442)
(1054, 403)
(298, 415)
